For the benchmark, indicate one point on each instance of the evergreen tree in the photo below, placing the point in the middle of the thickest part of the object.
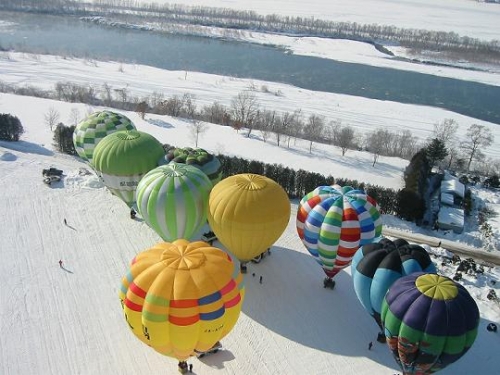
(11, 128)
(409, 205)
(63, 139)
(436, 151)
(416, 173)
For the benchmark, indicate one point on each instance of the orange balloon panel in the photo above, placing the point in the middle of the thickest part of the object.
(182, 296)
(248, 213)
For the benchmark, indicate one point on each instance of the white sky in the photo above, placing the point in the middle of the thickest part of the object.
(59, 322)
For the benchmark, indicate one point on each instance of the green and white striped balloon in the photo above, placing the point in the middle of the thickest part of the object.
(94, 128)
(173, 200)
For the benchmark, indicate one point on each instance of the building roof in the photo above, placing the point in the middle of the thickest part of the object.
(451, 216)
(447, 198)
(451, 185)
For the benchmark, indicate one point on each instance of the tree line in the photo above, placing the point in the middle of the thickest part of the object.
(130, 11)
(244, 113)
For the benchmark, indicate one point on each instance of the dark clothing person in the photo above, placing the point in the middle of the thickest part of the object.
(65, 222)
(260, 280)
(190, 367)
(60, 263)
(370, 346)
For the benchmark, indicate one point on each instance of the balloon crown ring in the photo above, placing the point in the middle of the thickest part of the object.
(183, 257)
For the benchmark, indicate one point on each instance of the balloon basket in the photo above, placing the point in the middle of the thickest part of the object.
(381, 338)
(182, 367)
(328, 283)
(243, 268)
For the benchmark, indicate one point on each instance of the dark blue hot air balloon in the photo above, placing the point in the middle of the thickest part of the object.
(376, 266)
(430, 321)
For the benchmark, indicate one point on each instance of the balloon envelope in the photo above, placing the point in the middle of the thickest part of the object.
(376, 266)
(248, 213)
(123, 158)
(182, 296)
(94, 128)
(173, 200)
(333, 221)
(199, 158)
(430, 321)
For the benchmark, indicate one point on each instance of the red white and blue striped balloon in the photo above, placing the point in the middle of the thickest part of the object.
(334, 221)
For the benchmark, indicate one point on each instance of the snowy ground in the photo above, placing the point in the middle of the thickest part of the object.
(69, 320)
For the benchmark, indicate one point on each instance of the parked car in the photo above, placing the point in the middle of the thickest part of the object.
(52, 172)
(50, 179)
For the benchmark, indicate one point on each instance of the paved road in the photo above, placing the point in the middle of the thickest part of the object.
(455, 247)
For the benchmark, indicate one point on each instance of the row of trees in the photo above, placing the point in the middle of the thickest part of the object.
(298, 183)
(449, 151)
(244, 113)
(166, 14)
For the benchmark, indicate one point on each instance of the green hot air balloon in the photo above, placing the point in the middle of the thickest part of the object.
(94, 128)
(123, 158)
(173, 200)
(199, 158)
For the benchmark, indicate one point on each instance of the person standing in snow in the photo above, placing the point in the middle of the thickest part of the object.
(60, 263)
(190, 367)
(260, 280)
(370, 345)
(65, 222)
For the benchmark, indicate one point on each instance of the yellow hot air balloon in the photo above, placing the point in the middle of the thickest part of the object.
(182, 297)
(248, 213)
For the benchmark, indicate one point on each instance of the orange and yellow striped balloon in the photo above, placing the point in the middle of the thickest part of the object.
(182, 296)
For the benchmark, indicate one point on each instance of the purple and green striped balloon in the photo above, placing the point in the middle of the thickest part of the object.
(429, 320)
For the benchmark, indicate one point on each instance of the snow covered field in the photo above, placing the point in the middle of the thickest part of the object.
(69, 320)
(473, 18)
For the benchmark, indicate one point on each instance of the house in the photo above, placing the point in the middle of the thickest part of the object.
(451, 185)
(451, 215)
(451, 218)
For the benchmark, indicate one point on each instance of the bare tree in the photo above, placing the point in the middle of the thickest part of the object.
(375, 143)
(214, 113)
(52, 117)
(446, 131)
(141, 109)
(106, 94)
(330, 131)
(478, 136)
(244, 108)
(408, 144)
(265, 122)
(313, 129)
(74, 116)
(122, 94)
(453, 152)
(189, 105)
(296, 126)
(346, 138)
(197, 128)
(172, 106)
(155, 100)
